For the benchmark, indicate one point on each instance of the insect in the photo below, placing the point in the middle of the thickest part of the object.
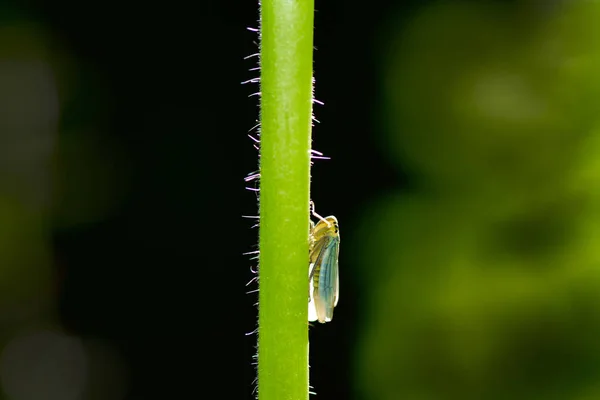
(323, 271)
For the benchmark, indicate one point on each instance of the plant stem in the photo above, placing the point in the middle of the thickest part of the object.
(286, 113)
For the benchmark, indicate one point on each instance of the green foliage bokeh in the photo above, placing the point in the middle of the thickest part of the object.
(484, 280)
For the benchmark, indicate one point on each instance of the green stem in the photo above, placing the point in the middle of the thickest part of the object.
(286, 113)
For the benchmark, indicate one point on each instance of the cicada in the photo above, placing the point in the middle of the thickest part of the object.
(323, 271)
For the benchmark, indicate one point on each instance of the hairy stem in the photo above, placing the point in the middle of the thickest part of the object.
(286, 111)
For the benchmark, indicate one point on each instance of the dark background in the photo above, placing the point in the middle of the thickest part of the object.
(160, 273)
(462, 171)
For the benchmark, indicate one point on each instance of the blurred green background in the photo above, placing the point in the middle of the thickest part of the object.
(465, 173)
(484, 278)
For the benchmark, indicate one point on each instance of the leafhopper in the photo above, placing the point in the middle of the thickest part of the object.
(323, 271)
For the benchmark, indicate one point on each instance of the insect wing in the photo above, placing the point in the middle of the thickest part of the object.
(324, 278)
(314, 272)
(312, 310)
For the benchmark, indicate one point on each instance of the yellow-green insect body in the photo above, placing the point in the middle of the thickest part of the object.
(324, 277)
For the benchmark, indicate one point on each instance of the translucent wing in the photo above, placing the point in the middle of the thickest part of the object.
(324, 278)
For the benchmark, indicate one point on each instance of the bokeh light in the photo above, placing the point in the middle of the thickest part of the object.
(485, 277)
